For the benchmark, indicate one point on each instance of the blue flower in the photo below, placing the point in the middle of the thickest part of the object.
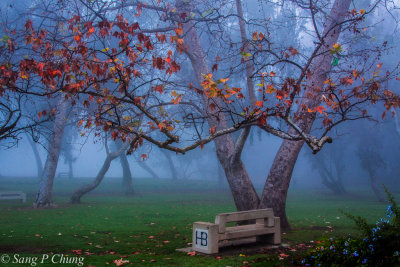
(303, 261)
(364, 261)
(396, 253)
(355, 254)
(331, 247)
(344, 251)
(346, 244)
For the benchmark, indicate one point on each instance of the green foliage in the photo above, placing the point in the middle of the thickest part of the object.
(379, 244)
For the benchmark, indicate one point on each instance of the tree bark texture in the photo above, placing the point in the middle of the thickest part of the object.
(243, 192)
(44, 196)
(277, 184)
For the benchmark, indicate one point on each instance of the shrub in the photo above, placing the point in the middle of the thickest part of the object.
(379, 244)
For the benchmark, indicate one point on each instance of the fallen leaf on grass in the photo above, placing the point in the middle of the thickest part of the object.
(191, 253)
(166, 242)
(77, 251)
(120, 262)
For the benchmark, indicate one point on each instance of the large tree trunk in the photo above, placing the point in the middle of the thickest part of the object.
(38, 159)
(77, 194)
(242, 189)
(277, 184)
(127, 175)
(44, 196)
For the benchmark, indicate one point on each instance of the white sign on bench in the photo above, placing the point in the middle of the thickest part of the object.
(13, 195)
(208, 237)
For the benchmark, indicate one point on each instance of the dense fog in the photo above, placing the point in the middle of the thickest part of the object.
(364, 151)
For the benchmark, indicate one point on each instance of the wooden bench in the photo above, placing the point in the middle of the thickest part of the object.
(263, 227)
(13, 195)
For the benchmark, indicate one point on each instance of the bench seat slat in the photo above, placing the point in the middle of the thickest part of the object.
(224, 218)
(240, 232)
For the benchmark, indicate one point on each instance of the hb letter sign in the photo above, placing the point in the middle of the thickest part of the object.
(205, 237)
(201, 238)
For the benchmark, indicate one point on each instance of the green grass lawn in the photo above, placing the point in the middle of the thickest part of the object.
(147, 228)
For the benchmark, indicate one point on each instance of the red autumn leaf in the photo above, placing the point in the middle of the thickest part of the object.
(262, 121)
(120, 262)
(179, 31)
(214, 67)
(159, 88)
(193, 253)
(212, 130)
(293, 51)
(28, 24)
(183, 15)
(320, 109)
(114, 135)
(144, 157)
(287, 55)
(90, 32)
(260, 104)
(77, 38)
(272, 74)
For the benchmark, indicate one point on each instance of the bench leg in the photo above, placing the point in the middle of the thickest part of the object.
(274, 238)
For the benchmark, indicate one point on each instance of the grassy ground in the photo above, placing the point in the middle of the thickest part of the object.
(147, 228)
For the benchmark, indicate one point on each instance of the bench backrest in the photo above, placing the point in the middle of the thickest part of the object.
(11, 193)
(224, 218)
